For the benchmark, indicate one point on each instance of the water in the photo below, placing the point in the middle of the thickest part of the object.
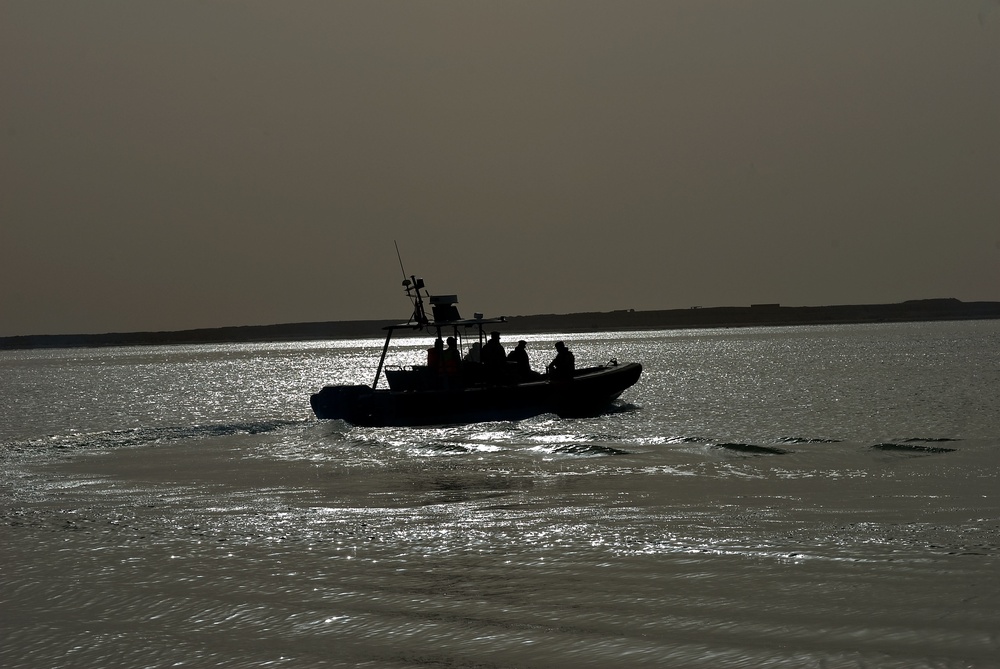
(782, 497)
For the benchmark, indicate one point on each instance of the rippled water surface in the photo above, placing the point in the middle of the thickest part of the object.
(797, 497)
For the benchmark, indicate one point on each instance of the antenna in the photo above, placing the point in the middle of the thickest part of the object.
(414, 284)
(400, 261)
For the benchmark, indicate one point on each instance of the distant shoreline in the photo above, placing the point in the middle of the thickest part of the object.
(757, 315)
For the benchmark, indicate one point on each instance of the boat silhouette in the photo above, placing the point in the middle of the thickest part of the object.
(468, 390)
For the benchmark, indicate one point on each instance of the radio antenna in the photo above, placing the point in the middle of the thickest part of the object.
(400, 259)
(414, 284)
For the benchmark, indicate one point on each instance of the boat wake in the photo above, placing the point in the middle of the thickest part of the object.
(911, 448)
(141, 436)
(751, 449)
(805, 440)
(587, 449)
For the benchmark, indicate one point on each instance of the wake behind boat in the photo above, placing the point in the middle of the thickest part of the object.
(464, 383)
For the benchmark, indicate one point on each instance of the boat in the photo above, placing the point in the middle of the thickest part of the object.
(470, 391)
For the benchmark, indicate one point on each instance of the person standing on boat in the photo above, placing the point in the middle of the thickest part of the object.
(563, 365)
(518, 359)
(435, 357)
(451, 361)
(494, 357)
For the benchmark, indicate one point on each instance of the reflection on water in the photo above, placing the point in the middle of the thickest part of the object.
(365, 554)
(736, 512)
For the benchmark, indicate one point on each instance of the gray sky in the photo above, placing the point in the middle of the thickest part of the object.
(171, 164)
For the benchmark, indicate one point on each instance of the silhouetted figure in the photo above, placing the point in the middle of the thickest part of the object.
(493, 356)
(563, 365)
(451, 360)
(518, 360)
(435, 357)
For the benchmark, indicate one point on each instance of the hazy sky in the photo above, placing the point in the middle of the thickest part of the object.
(170, 164)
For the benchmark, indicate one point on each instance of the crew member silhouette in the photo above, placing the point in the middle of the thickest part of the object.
(451, 360)
(435, 357)
(518, 359)
(563, 364)
(493, 356)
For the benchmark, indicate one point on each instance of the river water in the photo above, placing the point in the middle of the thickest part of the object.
(819, 496)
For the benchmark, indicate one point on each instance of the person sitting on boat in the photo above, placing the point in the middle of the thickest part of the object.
(518, 359)
(493, 356)
(451, 360)
(563, 365)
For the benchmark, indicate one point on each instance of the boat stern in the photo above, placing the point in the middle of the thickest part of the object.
(340, 402)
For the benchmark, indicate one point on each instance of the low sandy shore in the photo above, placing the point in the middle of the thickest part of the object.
(624, 319)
